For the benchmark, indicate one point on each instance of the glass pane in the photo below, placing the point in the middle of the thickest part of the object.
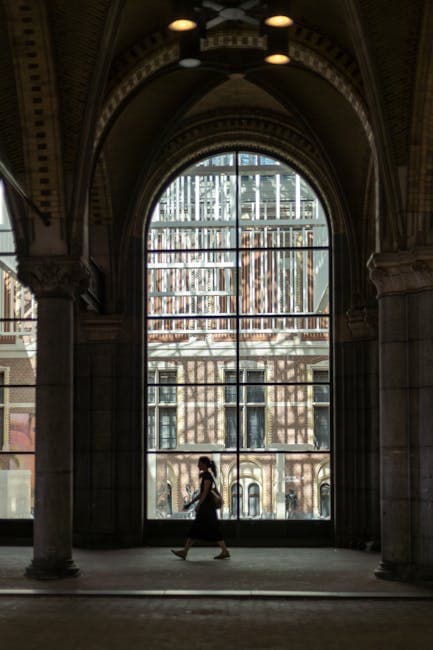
(255, 393)
(305, 476)
(255, 427)
(191, 284)
(23, 331)
(321, 393)
(199, 348)
(288, 486)
(151, 393)
(283, 282)
(231, 391)
(231, 426)
(179, 470)
(167, 427)
(18, 425)
(18, 352)
(321, 427)
(286, 346)
(151, 437)
(197, 210)
(16, 486)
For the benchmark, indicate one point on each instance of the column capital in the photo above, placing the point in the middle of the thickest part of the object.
(402, 271)
(54, 276)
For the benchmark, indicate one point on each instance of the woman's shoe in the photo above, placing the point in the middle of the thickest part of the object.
(180, 554)
(224, 555)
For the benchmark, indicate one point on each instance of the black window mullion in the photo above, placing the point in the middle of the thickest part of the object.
(239, 413)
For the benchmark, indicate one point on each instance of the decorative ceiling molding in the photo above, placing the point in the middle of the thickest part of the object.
(213, 133)
(320, 63)
(39, 115)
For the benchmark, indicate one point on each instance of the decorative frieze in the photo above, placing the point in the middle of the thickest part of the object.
(403, 271)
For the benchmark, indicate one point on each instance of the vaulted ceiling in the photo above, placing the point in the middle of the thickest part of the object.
(115, 97)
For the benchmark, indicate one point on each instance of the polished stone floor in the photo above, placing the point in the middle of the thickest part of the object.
(259, 599)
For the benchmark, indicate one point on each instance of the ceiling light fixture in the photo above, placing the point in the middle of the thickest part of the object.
(183, 17)
(193, 17)
(277, 14)
(277, 50)
(189, 49)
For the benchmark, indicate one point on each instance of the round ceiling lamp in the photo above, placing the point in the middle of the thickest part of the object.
(277, 49)
(183, 18)
(277, 14)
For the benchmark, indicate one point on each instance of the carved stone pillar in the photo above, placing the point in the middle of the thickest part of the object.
(55, 282)
(404, 283)
(357, 443)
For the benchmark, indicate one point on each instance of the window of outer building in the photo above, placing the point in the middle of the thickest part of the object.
(251, 411)
(253, 500)
(162, 409)
(325, 500)
(17, 381)
(236, 496)
(237, 286)
(321, 408)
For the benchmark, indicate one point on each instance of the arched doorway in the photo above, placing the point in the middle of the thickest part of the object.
(238, 338)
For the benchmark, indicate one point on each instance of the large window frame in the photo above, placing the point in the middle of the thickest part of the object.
(302, 312)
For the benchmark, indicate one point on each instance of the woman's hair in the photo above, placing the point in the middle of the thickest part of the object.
(209, 463)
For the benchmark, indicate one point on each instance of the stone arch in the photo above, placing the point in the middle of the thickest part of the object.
(318, 61)
(210, 135)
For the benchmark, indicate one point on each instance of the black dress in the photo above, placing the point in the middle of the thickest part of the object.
(206, 524)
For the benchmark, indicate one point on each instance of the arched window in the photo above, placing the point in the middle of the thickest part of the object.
(236, 494)
(325, 500)
(17, 381)
(237, 331)
(253, 500)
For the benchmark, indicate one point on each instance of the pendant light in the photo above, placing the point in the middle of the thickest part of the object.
(189, 49)
(183, 18)
(277, 50)
(277, 14)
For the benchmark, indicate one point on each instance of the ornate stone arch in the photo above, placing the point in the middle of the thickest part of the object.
(323, 58)
(212, 134)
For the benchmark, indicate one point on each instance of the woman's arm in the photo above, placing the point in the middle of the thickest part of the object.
(207, 484)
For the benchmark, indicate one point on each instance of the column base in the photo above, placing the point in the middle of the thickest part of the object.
(403, 572)
(52, 569)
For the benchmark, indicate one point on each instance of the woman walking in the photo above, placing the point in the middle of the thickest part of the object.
(206, 525)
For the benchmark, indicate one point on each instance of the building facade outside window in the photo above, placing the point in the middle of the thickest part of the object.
(237, 316)
(321, 409)
(18, 314)
(249, 405)
(162, 415)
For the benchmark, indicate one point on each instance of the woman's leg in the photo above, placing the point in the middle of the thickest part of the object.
(224, 551)
(184, 551)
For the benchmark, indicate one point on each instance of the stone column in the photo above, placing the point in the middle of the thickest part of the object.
(404, 282)
(54, 281)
